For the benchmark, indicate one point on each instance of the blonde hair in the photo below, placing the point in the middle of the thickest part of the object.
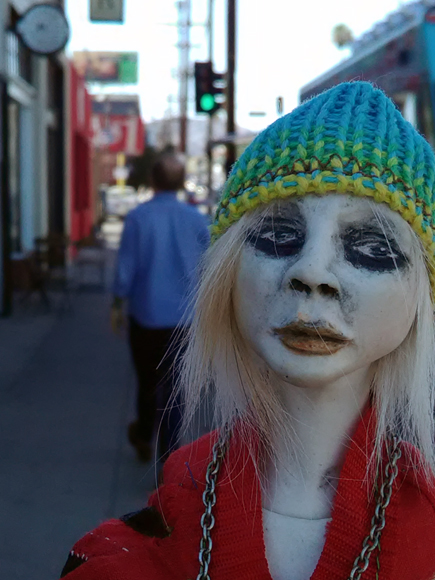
(217, 361)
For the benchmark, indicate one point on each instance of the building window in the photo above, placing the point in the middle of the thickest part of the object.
(18, 58)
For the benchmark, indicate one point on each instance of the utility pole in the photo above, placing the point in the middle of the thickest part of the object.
(210, 118)
(184, 46)
(231, 67)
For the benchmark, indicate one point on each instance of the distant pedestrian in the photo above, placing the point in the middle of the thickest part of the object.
(102, 192)
(161, 247)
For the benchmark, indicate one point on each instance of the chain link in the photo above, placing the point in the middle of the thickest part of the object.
(370, 543)
(209, 501)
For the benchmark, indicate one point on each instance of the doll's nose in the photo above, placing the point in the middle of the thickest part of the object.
(313, 274)
(324, 289)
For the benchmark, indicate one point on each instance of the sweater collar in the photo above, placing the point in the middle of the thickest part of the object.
(239, 505)
(238, 541)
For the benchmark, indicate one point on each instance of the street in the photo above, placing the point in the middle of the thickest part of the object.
(67, 394)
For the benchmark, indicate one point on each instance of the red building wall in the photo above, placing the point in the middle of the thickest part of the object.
(82, 210)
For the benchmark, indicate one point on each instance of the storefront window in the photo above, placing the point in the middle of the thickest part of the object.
(19, 58)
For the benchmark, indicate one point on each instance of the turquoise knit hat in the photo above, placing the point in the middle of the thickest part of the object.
(350, 139)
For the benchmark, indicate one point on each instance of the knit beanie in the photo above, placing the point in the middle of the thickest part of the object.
(350, 139)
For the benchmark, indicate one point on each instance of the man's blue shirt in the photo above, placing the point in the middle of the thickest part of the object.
(161, 246)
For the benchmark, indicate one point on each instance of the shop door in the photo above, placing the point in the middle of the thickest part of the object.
(55, 182)
(5, 270)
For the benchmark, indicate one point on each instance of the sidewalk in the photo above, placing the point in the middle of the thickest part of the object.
(66, 396)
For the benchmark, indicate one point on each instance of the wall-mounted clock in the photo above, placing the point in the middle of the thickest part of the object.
(43, 29)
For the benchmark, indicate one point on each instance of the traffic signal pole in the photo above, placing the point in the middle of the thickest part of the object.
(231, 126)
(210, 118)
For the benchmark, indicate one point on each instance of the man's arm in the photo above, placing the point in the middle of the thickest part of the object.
(124, 273)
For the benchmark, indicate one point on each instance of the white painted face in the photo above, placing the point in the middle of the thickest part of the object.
(326, 286)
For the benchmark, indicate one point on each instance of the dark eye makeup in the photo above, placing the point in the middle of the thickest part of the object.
(365, 246)
(371, 248)
(278, 237)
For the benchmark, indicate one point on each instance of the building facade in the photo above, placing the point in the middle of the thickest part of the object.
(81, 202)
(117, 128)
(397, 55)
(34, 146)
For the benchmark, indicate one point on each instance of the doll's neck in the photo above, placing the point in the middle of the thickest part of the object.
(302, 481)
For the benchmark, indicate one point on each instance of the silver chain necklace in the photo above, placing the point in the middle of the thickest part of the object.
(370, 543)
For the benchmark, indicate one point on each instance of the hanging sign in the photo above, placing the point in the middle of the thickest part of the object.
(119, 68)
(106, 10)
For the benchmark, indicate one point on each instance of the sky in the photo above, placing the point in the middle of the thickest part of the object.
(281, 45)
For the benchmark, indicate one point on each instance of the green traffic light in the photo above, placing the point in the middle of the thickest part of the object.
(207, 102)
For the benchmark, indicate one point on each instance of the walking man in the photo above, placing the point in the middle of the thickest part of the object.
(160, 250)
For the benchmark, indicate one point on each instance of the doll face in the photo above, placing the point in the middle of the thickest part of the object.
(325, 287)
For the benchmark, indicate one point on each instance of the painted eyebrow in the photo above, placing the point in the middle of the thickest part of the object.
(381, 226)
(273, 221)
(385, 228)
(281, 219)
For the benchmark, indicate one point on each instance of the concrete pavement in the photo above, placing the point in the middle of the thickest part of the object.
(66, 395)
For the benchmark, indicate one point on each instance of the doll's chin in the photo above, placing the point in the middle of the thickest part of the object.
(312, 372)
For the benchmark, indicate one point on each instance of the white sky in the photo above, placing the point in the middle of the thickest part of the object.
(281, 45)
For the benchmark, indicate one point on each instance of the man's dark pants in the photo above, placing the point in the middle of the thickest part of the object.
(153, 351)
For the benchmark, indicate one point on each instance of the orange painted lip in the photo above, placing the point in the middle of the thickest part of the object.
(310, 339)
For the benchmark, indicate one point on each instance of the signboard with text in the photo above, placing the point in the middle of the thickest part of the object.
(106, 10)
(118, 133)
(119, 68)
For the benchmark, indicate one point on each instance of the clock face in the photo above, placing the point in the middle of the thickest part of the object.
(44, 29)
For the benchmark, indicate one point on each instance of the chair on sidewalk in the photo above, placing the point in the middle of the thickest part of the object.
(29, 278)
(50, 263)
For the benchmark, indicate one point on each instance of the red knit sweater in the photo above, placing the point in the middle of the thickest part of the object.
(119, 550)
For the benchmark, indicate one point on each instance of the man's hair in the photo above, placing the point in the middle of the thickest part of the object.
(168, 173)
